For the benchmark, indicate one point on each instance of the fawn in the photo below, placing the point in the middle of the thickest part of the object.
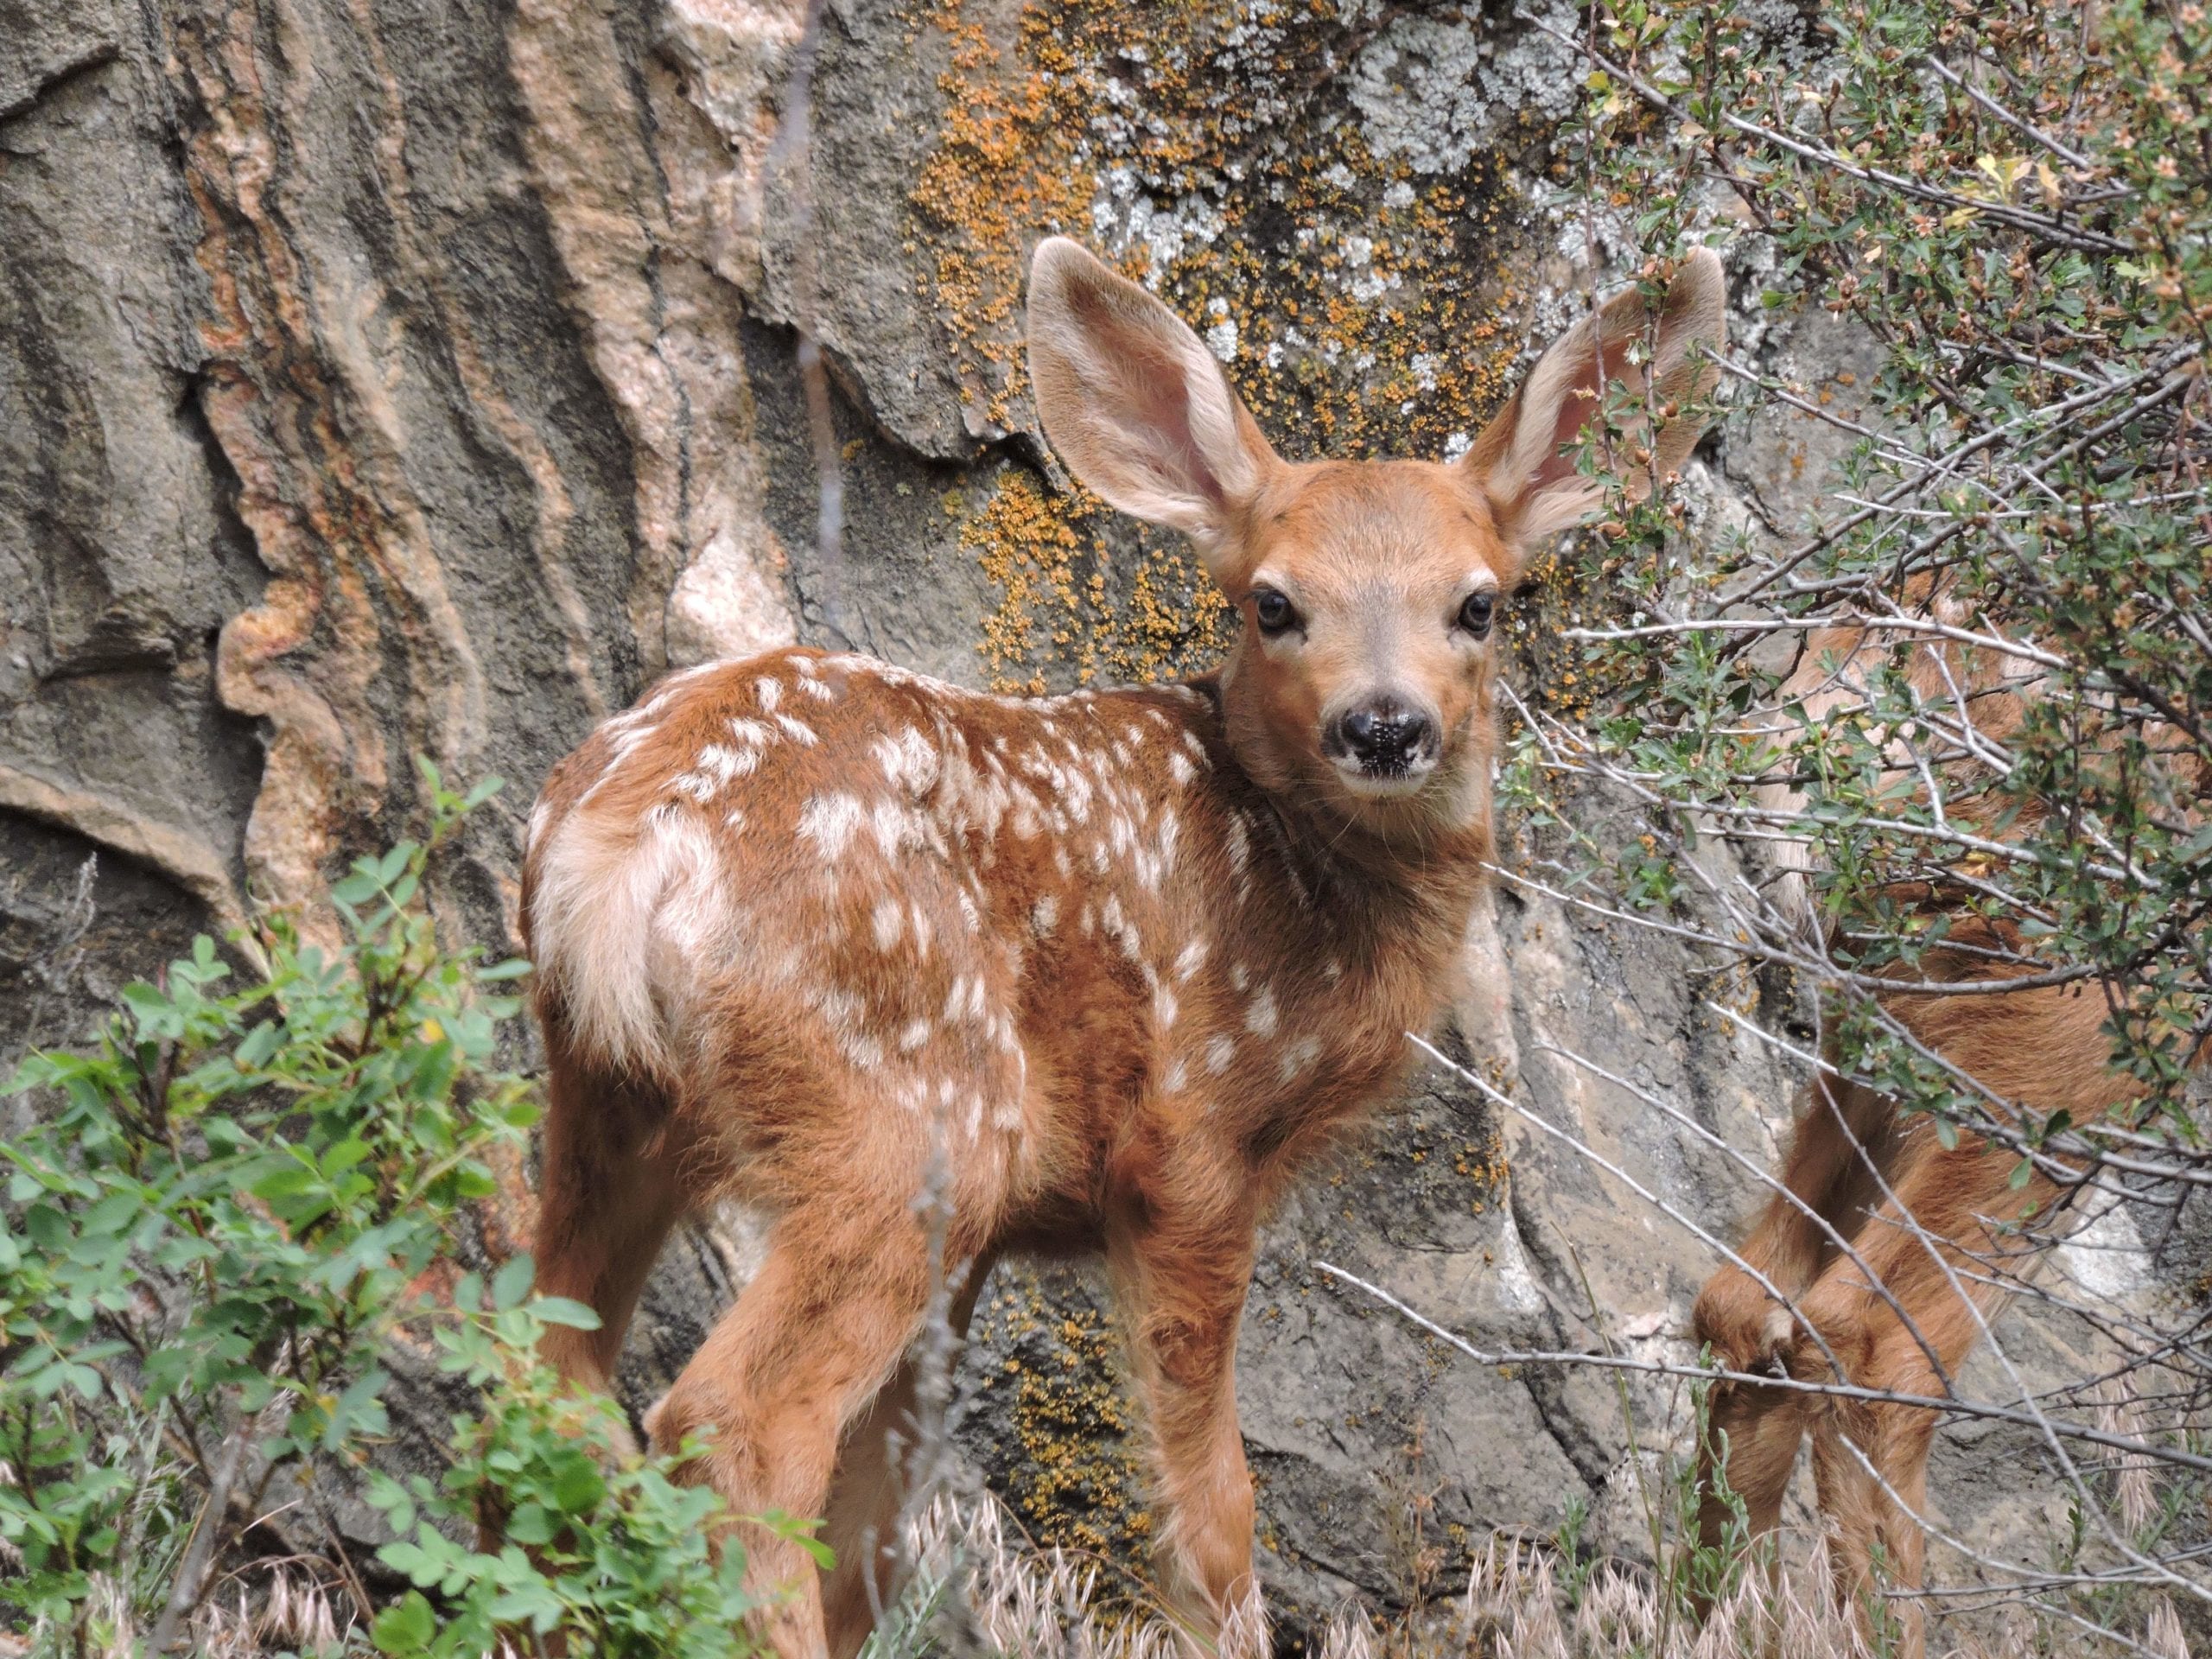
(1915, 1241)
(1100, 970)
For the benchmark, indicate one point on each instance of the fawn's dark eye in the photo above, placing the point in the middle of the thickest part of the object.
(1476, 612)
(1272, 611)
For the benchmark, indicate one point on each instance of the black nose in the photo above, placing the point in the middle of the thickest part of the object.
(1385, 736)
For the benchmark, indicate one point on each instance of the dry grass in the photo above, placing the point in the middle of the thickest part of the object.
(286, 1611)
(981, 1591)
(293, 1614)
(1516, 1604)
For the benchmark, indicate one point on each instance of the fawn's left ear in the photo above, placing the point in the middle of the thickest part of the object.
(1533, 489)
(1135, 403)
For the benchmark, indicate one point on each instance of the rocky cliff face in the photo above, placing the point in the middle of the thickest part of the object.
(382, 377)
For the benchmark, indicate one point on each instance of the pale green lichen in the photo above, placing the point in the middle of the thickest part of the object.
(1362, 302)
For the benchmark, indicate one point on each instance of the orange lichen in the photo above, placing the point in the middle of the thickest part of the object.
(1004, 167)
(1049, 559)
(1079, 1484)
(1365, 301)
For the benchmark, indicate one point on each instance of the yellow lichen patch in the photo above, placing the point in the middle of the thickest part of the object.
(1551, 679)
(1073, 1473)
(1483, 1165)
(1057, 608)
(1004, 167)
(1380, 285)
(1363, 309)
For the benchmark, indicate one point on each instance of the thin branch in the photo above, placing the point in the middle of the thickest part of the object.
(1962, 1407)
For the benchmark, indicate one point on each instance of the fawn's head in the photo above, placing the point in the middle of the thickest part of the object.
(1367, 591)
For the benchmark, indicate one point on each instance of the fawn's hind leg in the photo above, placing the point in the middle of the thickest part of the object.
(1826, 1180)
(819, 1331)
(1870, 1463)
(875, 1480)
(1752, 1442)
(609, 1191)
(1752, 1433)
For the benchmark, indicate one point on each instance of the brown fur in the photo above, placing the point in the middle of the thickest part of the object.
(1123, 961)
(1864, 1169)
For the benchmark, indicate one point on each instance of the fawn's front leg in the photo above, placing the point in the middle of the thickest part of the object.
(1180, 1279)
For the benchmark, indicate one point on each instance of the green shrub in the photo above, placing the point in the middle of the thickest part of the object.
(221, 1218)
(618, 1560)
(2008, 205)
(2013, 202)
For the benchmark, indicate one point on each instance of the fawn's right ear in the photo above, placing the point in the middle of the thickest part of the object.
(1135, 403)
(1521, 460)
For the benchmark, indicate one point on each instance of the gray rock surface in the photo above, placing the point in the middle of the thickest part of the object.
(384, 376)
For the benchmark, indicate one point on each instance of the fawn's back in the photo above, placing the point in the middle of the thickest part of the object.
(2049, 1048)
(996, 922)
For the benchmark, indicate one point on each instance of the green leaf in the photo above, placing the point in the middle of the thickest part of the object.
(356, 889)
(531, 1601)
(578, 1486)
(47, 1228)
(423, 1565)
(343, 1156)
(532, 1524)
(155, 1013)
(800, 1531)
(512, 1281)
(407, 1626)
(561, 1310)
(285, 1182)
(260, 1043)
(112, 1215)
(389, 1495)
(360, 1411)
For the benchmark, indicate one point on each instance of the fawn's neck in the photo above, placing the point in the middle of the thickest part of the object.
(1391, 893)
(1430, 848)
